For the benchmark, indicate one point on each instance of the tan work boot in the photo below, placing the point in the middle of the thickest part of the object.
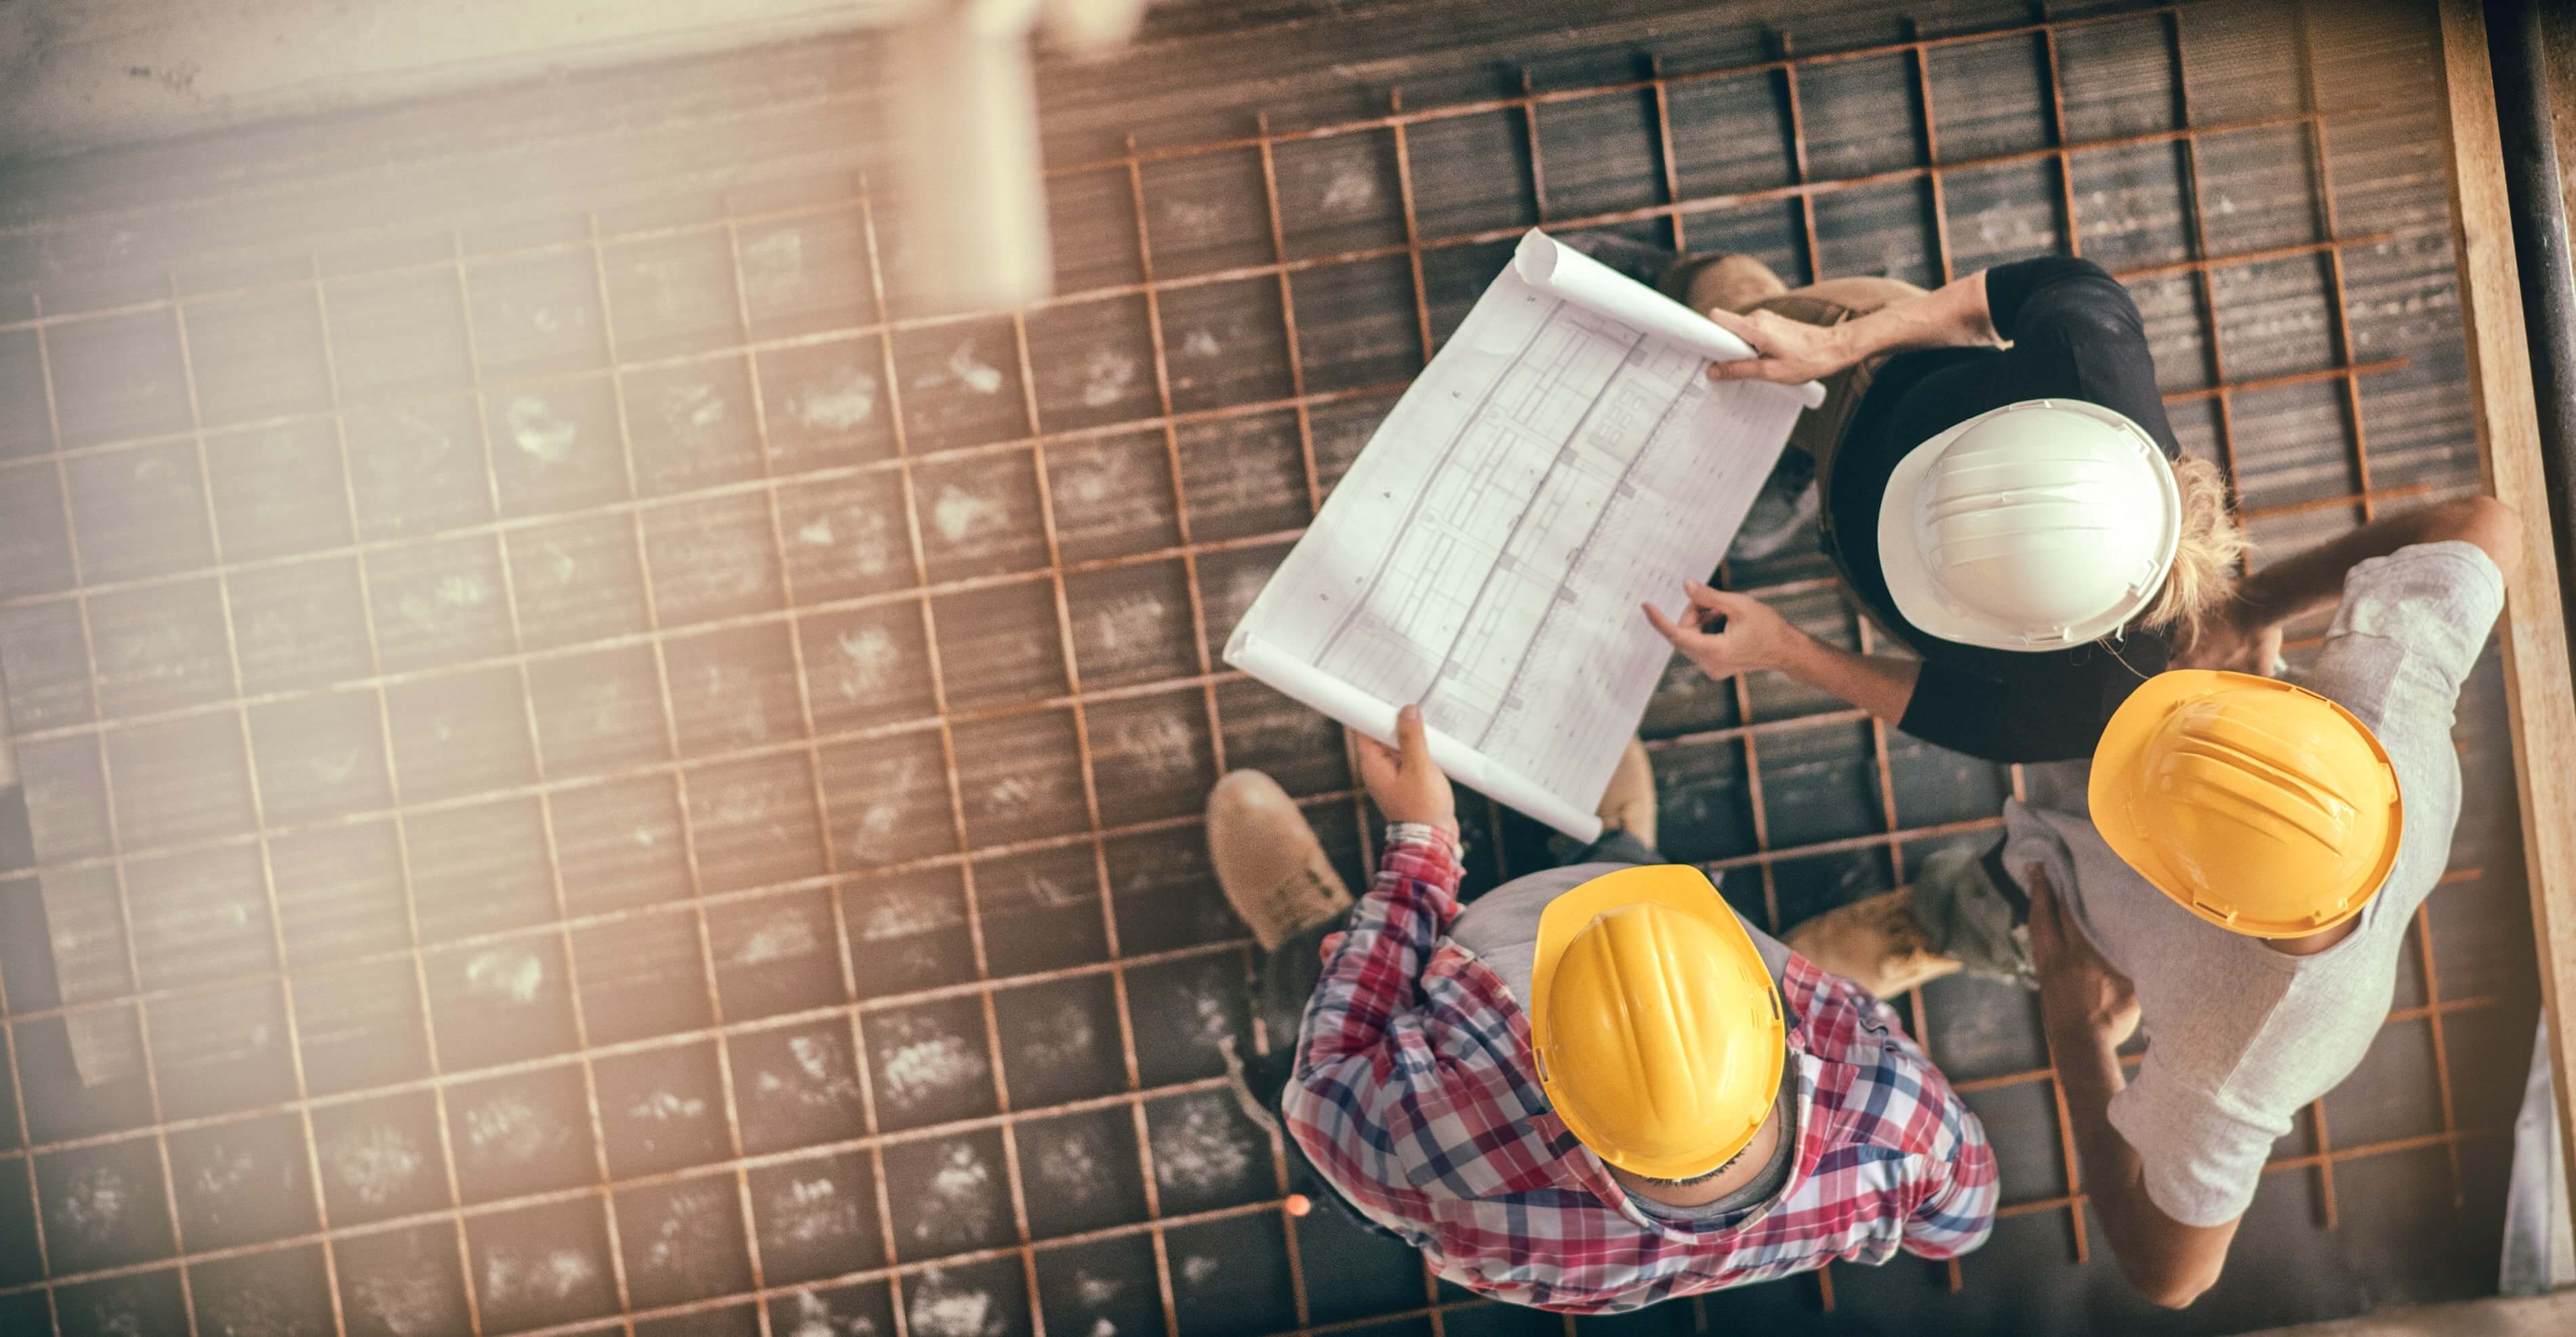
(1268, 861)
(1629, 803)
(1875, 944)
(1724, 282)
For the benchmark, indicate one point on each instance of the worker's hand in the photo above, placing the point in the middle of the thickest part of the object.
(1727, 634)
(2081, 995)
(1788, 351)
(1403, 780)
(2237, 639)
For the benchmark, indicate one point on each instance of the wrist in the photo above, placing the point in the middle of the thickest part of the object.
(1847, 343)
(1441, 831)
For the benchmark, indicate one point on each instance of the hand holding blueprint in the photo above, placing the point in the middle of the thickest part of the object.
(1562, 460)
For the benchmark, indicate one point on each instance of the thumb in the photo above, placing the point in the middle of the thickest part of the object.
(1410, 739)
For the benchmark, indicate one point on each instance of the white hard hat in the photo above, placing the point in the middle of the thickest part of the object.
(2035, 526)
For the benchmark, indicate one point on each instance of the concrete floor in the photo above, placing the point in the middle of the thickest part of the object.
(584, 760)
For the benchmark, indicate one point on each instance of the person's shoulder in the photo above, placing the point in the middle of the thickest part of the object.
(1872, 1077)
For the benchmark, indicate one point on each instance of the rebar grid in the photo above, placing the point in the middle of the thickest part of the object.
(1075, 703)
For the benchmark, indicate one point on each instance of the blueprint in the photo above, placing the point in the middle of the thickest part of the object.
(1562, 460)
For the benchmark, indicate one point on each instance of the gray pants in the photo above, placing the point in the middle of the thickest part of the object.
(1972, 911)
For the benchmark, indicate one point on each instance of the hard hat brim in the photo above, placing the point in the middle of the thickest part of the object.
(1909, 578)
(1677, 887)
(2117, 763)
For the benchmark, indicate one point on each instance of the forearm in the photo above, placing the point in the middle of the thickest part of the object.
(2169, 1262)
(1879, 684)
(1369, 975)
(2313, 580)
(1951, 316)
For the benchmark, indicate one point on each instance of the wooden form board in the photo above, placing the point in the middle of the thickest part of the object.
(2537, 692)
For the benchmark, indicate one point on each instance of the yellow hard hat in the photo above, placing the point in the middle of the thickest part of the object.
(2256, 804)
(1657, 1028)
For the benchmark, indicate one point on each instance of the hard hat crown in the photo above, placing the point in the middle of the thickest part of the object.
(2257, 805)
(1657, 1028)
(2038, 524)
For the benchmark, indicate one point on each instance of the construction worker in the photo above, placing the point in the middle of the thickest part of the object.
(2253, 860)
(1592, 1088)
(2021, 518)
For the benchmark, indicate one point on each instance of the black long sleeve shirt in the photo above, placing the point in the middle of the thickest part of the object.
(2075, 335)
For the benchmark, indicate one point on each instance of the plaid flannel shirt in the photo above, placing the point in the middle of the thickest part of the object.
(1416, 1096)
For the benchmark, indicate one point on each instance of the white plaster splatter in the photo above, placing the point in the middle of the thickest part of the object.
(940, 1308)
(1127, 619)
(96, 1203)
(692, 408)
(878, 820)
(1350, 190)
(1101, 1327)
(904, 914)
(959, 514)
(1009, 794)
(961, 1198)
(406, 1304)
(846, 400)
(509, 1277)
(374, 1162)
(664, 1106)
(924, 1061)
(815, 533)
(226, 1171)
(782, 936)
(1106, 377)
(1198, 1267)
(814, 1318)
(1201, 1152)
(1161, 744)
(692, 1229)
(1097, 1291)
(872, 547)
(1065, 1037)
(512, 973)
(1069, 1166)
(505, 1127)
(973, 372)
(812, 1211)
(1192, 216)
(539, 432)
(870, 654)
(1201, 343)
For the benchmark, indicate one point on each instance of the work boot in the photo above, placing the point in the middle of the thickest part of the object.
(1268, 861)
(1874, 943)
(1629, 803)
(1724, 282)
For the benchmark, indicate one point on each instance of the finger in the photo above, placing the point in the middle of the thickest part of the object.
(1411, 740)
(1716, 600)
(1746, 369)
(1664, 625)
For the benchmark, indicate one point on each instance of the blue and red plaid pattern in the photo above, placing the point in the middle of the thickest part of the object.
(1415, 1095)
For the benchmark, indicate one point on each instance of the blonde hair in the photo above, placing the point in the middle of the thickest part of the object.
(2207, 561)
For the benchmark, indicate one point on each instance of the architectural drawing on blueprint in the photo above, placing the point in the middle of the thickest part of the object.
(1555, 466)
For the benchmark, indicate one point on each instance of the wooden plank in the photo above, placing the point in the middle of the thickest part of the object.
(2537, 695)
